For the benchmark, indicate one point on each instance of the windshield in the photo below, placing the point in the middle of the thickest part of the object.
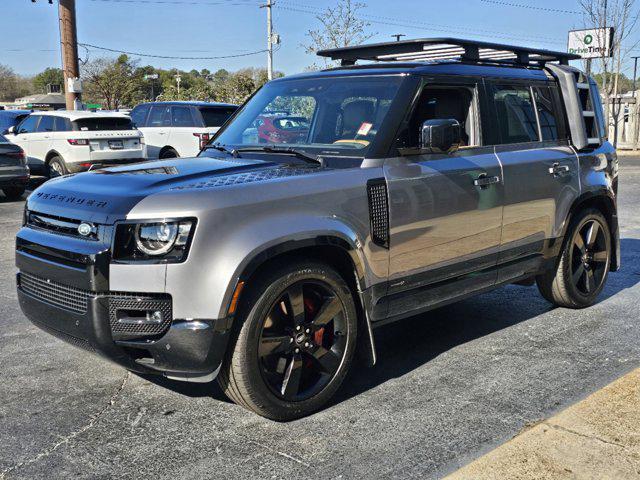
(105, 123)
(340, 115)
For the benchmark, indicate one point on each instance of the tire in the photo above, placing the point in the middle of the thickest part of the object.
(56, 167)
(583, 266)
(169, 153)
(281, 372)
(13, 193)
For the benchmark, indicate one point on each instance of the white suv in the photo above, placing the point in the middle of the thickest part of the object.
(179, 129)
(61, 142)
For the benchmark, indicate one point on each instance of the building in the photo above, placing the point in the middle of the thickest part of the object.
(42, 101)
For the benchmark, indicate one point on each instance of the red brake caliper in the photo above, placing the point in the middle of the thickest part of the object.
(310, 309)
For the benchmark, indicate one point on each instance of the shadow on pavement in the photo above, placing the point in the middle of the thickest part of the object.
(406, 345)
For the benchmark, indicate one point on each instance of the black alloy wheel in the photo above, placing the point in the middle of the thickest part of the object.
(302, 342)
(294, 340)
(589, 257)
(582, 267)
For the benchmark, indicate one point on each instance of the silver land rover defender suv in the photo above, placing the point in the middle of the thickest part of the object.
(434, 170)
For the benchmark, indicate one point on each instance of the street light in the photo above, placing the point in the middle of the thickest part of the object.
(178, 80)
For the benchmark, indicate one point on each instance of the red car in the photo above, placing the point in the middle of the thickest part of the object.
(283, 129)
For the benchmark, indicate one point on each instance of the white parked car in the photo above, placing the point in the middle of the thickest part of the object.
(61, 142)
(179, 129)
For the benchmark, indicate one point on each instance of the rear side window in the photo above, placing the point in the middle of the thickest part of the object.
(159, 117)
(62, 124)
(139, 115)
(546, 113)
(3, 140)
(216, 116)
(181, 117)
(46, 124)
(516, 116)
(107, 123)
(29, 124)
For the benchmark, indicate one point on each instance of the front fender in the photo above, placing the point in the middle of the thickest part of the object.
(223, 251)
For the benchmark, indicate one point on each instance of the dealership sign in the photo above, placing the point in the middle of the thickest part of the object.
(593, 43)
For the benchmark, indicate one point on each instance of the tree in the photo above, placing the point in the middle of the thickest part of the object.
(341, 27)
(114, 83)
(13, 86)
(50, 76)
(622, 15)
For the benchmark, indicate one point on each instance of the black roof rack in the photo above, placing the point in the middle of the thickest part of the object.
(436, 49)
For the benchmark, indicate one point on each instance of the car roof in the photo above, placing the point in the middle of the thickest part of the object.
(194, 104)
(15, 113)
(80, 114)
(428, 68)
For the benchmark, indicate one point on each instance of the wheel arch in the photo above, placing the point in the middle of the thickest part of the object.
(165, 149)
(604, 201)
(50, 155)
(339, 252)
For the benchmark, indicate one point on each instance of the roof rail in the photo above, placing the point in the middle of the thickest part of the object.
(435, 49)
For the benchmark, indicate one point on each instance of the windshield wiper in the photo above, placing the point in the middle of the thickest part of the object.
(284, 150)
(220, 148)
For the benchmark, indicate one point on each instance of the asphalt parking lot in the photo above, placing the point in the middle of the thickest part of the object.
(449, 386)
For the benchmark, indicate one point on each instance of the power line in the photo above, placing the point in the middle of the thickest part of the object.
(420, 25)
(531, 7)
(182, 2)
(150, 55)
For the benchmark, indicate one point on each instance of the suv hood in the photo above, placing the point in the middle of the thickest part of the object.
(105, 195)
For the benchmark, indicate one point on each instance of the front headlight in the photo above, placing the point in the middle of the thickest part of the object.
(166, 241)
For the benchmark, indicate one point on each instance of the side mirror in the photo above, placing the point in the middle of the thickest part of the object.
(11, 130)
(440, 136)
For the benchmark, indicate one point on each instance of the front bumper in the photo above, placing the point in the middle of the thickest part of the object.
(66, 294)
(18, 178)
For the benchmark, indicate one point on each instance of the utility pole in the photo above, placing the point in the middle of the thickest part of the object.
(398, 36)
(268, 6)
(69, 49)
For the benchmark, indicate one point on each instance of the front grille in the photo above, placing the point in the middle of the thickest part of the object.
(76, 300)
(378, 211)
(137, 303)
(63, 296)
(59, 225)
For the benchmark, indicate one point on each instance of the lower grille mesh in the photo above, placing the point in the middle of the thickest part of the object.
(76, 300)
(63, 296)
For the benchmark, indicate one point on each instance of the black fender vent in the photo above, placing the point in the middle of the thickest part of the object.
(379, 211)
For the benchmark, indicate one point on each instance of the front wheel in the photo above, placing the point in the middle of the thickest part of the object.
(584, 262)
(294, 344)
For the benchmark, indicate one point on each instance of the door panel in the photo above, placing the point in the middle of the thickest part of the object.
(442, 226)
(541, 183)
(156, 131)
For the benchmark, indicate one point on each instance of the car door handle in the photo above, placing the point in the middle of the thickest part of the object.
(483, 181)
(557, 169)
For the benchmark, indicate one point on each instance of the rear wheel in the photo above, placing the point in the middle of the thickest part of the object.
(584, 263)
(295, 342)
(57, 167)
(169, 153)
(13, 193)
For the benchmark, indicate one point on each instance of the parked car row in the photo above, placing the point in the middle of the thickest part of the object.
(60, 142)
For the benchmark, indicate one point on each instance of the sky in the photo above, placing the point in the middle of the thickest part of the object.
(29, 36)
